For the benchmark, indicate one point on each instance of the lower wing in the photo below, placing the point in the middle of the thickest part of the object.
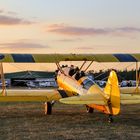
(13, 95)
(130, 98)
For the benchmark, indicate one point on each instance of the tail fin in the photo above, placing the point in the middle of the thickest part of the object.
(113, 91)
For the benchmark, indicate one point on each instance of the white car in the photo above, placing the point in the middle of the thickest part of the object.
(100, 83)
(43, 84)
(129, 83)
(6, 84)
(31, 84)
(124, 83)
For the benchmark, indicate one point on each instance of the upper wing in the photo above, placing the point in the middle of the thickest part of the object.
(52, 58)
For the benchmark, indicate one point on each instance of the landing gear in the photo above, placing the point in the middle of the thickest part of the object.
(48, 108)
(110, 118)
(53, 102)
(89, 109)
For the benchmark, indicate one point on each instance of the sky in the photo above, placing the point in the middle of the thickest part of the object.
(69, 26)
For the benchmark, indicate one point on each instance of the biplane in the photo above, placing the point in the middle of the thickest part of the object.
(76, 86)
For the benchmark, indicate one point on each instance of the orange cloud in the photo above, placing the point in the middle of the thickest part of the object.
(82, 31)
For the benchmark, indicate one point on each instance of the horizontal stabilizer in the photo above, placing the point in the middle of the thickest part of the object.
(84, 99)
(130, 99)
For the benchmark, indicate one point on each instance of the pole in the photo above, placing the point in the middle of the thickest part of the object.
(137, 79)
(2, 80)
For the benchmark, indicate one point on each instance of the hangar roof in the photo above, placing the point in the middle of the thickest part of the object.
(30, 74)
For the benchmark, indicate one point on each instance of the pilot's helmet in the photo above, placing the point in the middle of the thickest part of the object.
(63, 66)
(77, 69)
(72, 66)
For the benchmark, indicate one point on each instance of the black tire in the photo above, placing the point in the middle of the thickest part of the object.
(110, 119)
(49, 108)
(89, 109)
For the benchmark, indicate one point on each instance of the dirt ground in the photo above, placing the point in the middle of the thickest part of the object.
(68, 122)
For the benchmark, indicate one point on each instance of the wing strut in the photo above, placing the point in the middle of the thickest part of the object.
(2, 80)
(82, 65)
(59, 68)
(88, 66)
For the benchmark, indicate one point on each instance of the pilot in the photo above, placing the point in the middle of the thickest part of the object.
(77, 76)
(82, 74)
(72, 70)
(76, 69)
(63, 66)
(55, 76)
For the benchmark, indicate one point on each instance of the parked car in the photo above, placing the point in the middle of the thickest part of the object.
(6, 84)
(129, 83)
(100, 83)
(31, 84)
(124, 83)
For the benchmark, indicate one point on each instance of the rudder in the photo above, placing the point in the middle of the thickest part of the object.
(113, 92)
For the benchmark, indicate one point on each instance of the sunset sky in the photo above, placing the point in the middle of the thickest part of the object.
(69, 26)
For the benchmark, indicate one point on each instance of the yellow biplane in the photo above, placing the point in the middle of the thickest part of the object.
(75, 85)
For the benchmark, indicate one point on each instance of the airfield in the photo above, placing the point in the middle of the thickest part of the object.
(25, 120)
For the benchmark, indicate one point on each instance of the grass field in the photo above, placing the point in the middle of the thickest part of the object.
(68, 122)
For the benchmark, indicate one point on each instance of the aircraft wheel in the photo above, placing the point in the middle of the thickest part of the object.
(48, 108)
(52, 103)
(110, 119)
(89, 109)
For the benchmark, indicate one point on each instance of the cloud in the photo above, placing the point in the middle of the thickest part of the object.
(7, 12)
(70, 40)
(128, 29)
(10, 20)
(21, 45)
(85, 48)
(83, 31)
(11, 13)
(93, 47)
(1, 11)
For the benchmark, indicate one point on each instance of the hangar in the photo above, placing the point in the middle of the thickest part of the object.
(39, 79)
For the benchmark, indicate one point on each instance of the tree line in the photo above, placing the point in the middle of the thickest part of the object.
(122, 75)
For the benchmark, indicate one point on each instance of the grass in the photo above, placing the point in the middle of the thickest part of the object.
(68, 122)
